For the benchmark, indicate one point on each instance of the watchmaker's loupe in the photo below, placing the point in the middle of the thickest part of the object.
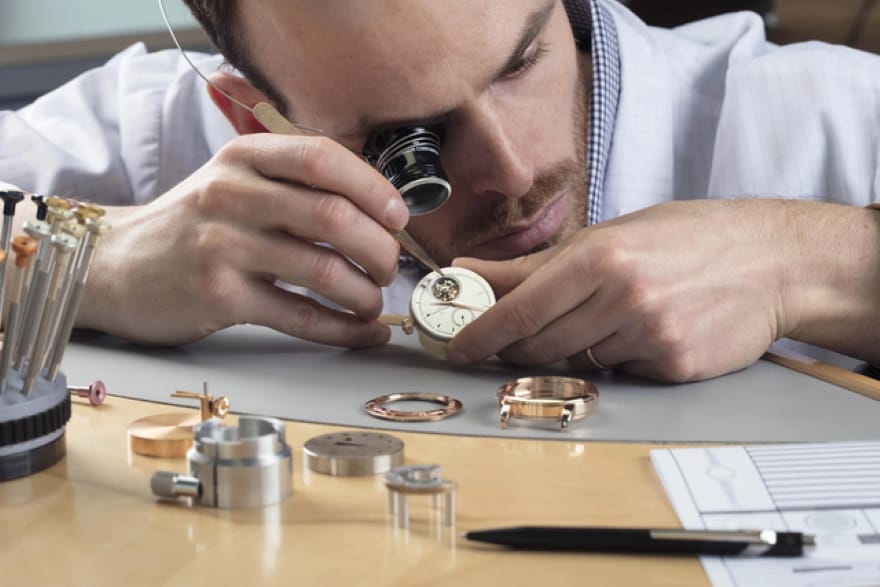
(409, 157)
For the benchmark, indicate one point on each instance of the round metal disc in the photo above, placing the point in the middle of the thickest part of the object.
(353, 453)
(163, 435)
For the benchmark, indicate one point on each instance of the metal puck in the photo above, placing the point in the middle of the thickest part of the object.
(353, 453)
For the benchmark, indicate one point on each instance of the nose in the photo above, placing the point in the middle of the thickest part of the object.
(485, 152)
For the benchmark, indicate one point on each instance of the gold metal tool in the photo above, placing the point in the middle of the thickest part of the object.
(171, 435)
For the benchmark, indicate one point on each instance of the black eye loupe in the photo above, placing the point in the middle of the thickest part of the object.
(409, 157)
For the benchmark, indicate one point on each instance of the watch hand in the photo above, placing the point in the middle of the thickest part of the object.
(458, 305)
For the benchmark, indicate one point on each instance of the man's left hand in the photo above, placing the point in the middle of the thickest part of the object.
(678, 292)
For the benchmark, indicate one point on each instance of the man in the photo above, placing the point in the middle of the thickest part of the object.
(540, 139)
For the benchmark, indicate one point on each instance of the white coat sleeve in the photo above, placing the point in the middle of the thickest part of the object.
(122, 133)
(801, 122)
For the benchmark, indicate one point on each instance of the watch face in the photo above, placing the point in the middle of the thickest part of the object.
(441, 305)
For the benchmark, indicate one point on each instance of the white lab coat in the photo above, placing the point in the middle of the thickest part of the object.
(712, 109)
(706, 110)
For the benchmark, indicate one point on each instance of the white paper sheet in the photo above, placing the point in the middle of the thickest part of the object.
(830, 490)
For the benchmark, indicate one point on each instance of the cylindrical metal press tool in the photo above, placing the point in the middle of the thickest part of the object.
(249, 465)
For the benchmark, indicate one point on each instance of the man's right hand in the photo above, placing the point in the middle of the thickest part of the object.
(206, 254)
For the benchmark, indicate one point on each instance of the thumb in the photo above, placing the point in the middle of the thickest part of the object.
(503, 276)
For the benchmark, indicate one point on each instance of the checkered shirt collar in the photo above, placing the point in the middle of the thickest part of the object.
(595, 31)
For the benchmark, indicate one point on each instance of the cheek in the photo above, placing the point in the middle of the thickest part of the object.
(435, 229)
(552, 111)
(538, 111)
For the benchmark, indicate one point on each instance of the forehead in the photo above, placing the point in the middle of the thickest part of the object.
(339, 61)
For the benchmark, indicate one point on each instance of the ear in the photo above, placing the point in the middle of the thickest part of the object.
(241, 119)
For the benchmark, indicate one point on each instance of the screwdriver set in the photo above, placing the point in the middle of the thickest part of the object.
(46, 270)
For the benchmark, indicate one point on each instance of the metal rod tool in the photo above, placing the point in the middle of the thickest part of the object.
(32, 282)
(64, 245)
(95, 230)
(10, 201)
(24, 248)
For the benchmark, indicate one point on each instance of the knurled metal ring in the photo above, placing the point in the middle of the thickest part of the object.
(35, 425)
(375, 407)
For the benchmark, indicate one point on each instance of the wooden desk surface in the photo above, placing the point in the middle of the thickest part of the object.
(92, 520)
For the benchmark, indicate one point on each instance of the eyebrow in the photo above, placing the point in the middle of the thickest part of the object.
(533, 27)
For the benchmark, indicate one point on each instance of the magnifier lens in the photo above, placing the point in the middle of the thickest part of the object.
(409, 157)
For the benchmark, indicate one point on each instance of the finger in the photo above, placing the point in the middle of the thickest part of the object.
(308, 214)
(625, 351)
(551, 291)
(305, 318)
(636, 348)
(319, 269)
(292, 260)
(568, 335)
(503, 276)
(599, 361)
(325, 164)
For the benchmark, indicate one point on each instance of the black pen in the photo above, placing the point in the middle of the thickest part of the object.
(645, 541)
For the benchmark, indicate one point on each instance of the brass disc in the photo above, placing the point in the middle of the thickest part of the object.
(163, 435)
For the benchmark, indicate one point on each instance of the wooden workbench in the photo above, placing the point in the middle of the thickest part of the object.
(92, 520)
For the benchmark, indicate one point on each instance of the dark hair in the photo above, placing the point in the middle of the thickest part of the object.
(220, 19)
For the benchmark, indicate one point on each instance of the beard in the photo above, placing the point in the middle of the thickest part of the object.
(496, 214)
(566, 177)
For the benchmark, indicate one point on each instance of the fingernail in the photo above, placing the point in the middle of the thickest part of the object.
(396, 214)
(379, 333)
(456, 357)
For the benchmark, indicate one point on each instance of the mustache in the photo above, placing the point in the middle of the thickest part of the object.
(495, 217)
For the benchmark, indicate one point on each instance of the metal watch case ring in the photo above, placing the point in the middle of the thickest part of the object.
(547, 398)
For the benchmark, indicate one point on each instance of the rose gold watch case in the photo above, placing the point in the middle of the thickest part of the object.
(547, 398)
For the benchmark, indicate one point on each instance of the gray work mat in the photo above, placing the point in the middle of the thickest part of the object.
(266, 373)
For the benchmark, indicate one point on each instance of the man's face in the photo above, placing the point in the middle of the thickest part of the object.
(503, 78)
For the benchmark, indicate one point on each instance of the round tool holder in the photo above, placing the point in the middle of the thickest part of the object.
(249, 465)
(53, 260)
(32, 425)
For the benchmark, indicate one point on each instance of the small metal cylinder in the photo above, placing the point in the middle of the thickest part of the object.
(419, 480)
(168, 484)
(95, 392)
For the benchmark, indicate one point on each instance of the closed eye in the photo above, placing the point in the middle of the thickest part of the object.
(527, 61)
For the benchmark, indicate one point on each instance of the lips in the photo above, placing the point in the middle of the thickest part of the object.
(525, 235)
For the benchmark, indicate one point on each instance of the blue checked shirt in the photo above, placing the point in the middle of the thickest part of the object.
(594, 30)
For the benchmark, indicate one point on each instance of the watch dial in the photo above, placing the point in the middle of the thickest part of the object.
(442, 305)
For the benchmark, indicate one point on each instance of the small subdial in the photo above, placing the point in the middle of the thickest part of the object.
(462, 318)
